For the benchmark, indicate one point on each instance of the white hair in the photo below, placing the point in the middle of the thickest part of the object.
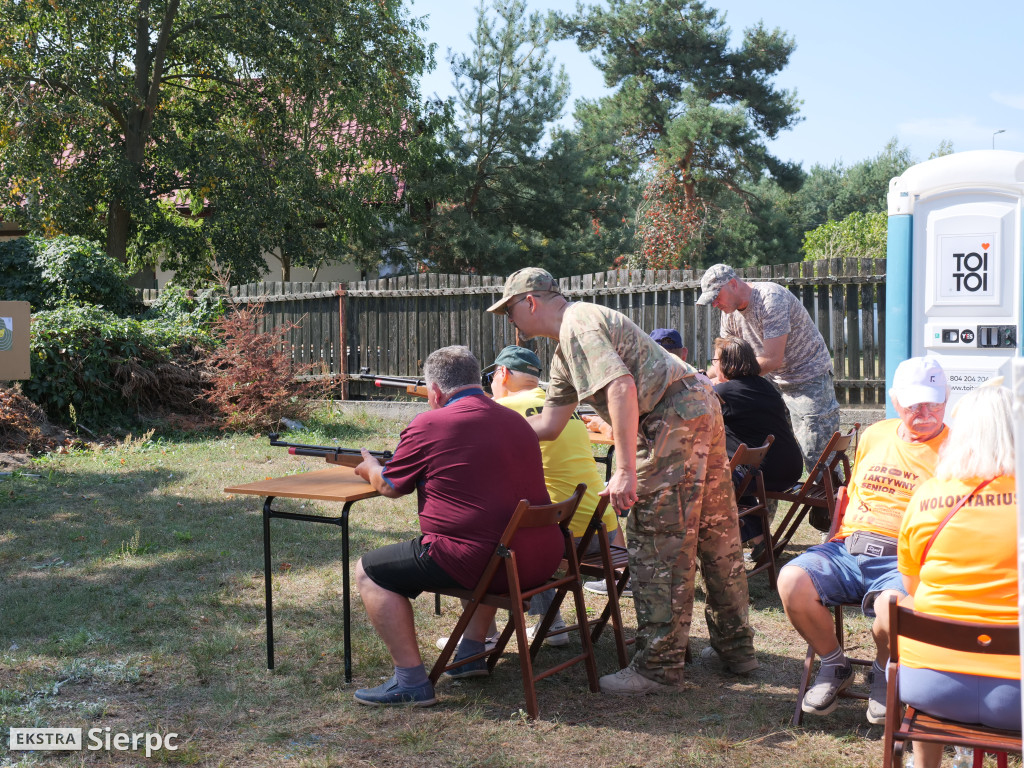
(980, 444)
(451, 368)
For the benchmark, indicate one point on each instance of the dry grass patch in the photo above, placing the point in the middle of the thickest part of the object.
(133, 599)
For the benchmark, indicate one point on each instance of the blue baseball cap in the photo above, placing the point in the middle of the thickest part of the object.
(668, 338)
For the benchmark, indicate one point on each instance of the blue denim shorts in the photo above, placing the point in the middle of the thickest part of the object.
(840, 577)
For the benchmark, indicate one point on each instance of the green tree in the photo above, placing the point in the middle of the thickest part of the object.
(511, 196)
(859, 235)
(123, 120)
(702, 110)
(831, 193)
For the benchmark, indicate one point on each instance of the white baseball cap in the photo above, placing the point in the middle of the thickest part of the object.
(919, 380)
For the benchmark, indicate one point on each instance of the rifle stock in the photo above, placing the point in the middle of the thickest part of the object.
(413, 386)
(345, 457)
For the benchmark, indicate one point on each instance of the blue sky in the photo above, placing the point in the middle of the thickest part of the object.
(866, 72)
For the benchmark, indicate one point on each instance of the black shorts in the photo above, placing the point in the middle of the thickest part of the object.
(406, 568)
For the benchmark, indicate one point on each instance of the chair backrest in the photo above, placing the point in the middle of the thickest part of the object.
(963, 636)
(834, 456)
(595, 527)
(526, 516)
(842, 502)
(752, 458)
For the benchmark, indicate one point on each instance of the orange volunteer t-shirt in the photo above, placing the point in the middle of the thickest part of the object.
(970, 573)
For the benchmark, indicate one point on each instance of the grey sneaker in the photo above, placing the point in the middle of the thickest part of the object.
(820, 698)
(390, 693)
(476, 668)
(876, 699)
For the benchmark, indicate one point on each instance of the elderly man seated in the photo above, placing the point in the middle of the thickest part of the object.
(859, 565)
(456, 457)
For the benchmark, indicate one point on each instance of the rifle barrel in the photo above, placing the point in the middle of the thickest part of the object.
(324, 451)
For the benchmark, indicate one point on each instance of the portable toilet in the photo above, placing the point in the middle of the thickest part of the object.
(954, 266)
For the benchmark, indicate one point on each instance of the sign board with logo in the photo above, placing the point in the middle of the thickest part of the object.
(14, 338)
(954, 266)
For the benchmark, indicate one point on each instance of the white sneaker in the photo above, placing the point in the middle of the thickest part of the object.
(552, 640)
(489, 642)
(629, 682)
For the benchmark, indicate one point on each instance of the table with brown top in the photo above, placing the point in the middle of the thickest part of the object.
(338, 484)
(596, 438)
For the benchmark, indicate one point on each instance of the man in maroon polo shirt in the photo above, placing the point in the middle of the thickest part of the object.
(470, 462)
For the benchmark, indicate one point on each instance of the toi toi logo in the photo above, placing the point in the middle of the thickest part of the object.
(971, 271)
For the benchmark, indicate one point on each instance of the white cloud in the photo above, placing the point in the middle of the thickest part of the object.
(1012, 100)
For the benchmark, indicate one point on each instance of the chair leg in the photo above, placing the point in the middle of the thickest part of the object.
(788, 527)
(453, 641)
(613, 613)
(805, 681)
(588, 648)
(526, 653)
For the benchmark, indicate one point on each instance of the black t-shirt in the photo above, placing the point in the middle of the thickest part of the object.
(752, 410)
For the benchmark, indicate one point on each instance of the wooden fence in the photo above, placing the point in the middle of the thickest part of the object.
(389, 326)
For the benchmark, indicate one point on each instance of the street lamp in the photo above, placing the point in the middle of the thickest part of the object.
(996, 133)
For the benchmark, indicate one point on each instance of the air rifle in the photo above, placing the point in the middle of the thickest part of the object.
(346, 457)
(413, 386)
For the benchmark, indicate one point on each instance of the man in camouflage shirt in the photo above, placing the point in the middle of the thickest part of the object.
(671, 471)
(789, 348)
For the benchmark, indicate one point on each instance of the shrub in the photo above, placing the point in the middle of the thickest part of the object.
(197, 308)
(255, 383)
(89, 364)
(21, 280)
(64, 270)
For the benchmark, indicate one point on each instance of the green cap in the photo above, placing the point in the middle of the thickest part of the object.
(517, 359)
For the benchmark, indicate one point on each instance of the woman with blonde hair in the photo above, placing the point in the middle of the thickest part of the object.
(965, 568)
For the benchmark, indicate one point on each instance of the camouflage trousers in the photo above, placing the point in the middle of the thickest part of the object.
(814, 413)
(686, 511)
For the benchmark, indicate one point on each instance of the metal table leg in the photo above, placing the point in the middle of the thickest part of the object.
(342, 521)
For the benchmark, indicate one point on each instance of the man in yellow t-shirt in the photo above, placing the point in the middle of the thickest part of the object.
(568, 459)
(859, 565)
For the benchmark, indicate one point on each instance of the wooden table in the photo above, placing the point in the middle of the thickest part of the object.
(596, 438)
(334, 484)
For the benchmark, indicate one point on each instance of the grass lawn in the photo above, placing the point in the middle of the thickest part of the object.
(132, 599)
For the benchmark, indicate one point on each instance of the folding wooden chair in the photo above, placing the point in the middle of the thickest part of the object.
(805, 679)
(913, 725)
(751, 486)
(517, 600)
(831, 470)
(611, 564)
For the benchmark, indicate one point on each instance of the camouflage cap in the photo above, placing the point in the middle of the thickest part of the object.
(713, 280)
(517, 359)
(526, 280)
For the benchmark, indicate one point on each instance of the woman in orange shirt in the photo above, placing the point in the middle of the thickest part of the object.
(969, 572)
